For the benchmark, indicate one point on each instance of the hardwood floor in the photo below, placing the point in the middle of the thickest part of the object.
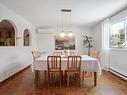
(23, 84)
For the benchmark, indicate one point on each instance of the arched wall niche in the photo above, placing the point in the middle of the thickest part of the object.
(8, 32)
(27, 37)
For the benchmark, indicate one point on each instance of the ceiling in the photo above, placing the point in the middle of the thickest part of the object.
(47, 12)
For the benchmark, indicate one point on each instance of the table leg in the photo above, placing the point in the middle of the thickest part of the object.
(83, 72)
(45, 75)
(36, 78)
(95, 78)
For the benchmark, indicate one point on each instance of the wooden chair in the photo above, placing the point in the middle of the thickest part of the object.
(73, 67)
(71, 53)
(94, 53)
(57, 53)
(54, 66)
(36, 54)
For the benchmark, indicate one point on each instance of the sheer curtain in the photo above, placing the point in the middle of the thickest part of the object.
(105, 26)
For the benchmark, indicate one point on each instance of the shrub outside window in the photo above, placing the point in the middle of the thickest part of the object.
(118, 35)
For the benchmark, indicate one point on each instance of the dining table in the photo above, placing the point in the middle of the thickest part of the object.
(88, 64)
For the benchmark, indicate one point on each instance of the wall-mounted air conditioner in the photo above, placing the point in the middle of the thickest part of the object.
(44, 30)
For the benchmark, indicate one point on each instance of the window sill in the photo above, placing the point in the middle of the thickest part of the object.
(117, 49)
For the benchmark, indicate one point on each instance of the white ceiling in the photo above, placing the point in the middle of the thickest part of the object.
(47, 12)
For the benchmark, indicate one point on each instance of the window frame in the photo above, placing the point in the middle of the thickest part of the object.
(15, 33)
(27, 30)
(125, 31)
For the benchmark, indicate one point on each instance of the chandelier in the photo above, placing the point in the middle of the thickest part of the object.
(66, 23)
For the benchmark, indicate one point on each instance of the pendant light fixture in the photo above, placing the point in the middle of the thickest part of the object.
(66, 23)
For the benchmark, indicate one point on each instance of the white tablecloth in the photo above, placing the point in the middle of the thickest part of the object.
(88, 64)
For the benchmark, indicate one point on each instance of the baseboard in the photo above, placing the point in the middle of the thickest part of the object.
(13, 76)
(118, 74)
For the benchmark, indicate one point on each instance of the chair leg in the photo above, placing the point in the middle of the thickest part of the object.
(83, 76)
(45, 75)
(91, 74)
(48, 79)
(52, 75)
(60, 73)
(79, 78)
(65, 75)
(68, 79)
(36, 78)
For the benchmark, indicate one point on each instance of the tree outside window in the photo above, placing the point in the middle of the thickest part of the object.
(118, 35)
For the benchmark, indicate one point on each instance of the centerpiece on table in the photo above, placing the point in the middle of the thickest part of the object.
(66, 51)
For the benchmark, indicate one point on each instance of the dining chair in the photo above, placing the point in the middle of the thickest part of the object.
(36, 54)
(94, 53)
(54, 67)
(71, 53)
(57, 53)
(73, 67)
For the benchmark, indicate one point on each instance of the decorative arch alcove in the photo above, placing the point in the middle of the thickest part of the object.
(27, 37)
(7, 33)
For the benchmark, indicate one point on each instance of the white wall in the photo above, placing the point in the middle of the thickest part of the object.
(118, 61)
(13, 59)
(21, 24)
(97, 36)
(96, 32)
(117, 58)
(46, 42)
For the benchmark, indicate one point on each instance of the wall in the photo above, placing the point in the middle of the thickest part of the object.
(96, 32)
(46, 42)
(117, 58)
(118, 61)
(13, 59)
(97, 36)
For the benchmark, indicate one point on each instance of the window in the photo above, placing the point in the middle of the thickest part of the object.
(118, 35)
(26, 37)
(7, 33)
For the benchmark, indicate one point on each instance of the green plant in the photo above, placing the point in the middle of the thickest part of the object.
(87, 42)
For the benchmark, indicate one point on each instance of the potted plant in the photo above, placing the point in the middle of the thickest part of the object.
(87, 42)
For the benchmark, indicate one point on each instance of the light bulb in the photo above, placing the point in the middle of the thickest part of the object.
(62, 34)
(70, 34)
